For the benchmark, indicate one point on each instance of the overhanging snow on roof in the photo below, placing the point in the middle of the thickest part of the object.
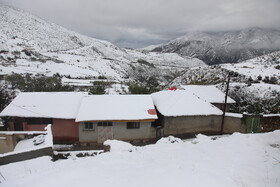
(182, 103)
(62, 105)
(116, 108)
(208, 93)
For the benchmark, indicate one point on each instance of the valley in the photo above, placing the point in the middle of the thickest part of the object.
(35, 47)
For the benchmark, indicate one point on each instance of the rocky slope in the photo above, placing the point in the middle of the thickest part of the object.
(224, 47)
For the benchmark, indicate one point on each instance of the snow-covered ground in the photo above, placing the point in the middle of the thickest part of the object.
(237, 160)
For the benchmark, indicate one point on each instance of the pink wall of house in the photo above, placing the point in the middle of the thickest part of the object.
(64, 130)
(38, 127)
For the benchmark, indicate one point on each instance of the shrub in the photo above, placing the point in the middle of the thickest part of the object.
(101, 77)
(273, 80)
(277, 67)
(38, 83)
(266, 79)
(99, 87)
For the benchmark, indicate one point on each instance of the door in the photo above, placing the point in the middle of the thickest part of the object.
(104, 131)
(18, 124)
(253, 123)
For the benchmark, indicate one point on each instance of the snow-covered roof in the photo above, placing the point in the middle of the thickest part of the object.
(182, 103)
(62, 105)
(116, 107)
(208, 93)
(235, 115)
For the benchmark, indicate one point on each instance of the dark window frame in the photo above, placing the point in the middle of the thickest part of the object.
(89, 126)
(105, 123)
(39, 121)
(133, 125)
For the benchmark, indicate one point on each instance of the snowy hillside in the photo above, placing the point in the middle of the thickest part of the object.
(255, 98)
(44, 35)
(224, 47)
(255, 83)
(265, 69)
(232, 161)
(259, 67)
(32, 45)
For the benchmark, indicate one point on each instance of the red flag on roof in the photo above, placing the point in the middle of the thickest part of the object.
(152, 112)
(172, 88)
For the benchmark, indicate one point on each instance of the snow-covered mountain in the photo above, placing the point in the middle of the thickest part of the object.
(32, 45)
(224, 47)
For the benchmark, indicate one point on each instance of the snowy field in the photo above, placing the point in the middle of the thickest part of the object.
(251, 160)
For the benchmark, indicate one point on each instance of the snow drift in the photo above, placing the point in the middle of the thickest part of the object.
(231, 161)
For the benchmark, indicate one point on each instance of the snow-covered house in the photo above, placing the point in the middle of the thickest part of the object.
(77, 116)
(122, 117)
(209, 93)
(32, 111)
(182, 113)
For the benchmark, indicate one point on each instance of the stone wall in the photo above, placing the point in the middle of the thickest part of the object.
(181, 125)
(33, 151)
(26, 155)
(270, 123)
(233, 124)
(7, 143)
(188, 126)
(9, 140)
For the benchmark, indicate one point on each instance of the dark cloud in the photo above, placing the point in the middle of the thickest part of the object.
(135, 23)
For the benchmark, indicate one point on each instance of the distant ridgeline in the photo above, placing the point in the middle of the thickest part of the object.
(224, 47)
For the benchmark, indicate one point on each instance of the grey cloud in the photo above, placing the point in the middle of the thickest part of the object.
(136, 22)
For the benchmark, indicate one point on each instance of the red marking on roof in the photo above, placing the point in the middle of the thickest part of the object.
(152, 112)
(172, 88)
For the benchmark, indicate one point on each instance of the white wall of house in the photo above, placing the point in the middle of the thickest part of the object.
(120, 132)
(87, 135)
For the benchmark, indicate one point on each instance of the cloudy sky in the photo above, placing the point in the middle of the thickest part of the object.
(138, 23)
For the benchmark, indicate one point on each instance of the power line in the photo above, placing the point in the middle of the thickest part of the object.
(30, 111)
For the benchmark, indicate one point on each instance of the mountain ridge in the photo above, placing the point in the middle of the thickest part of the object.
(32, 45)
(226, 46)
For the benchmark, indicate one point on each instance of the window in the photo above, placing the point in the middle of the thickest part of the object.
(105, 123)
(88, 126)
(133, 125)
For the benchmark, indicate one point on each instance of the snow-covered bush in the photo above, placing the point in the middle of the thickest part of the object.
(169, 140)
(119, 146)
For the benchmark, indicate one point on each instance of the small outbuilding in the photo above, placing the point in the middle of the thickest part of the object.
(209, 93)
(182, 113)
(122, 117)
(32, 111)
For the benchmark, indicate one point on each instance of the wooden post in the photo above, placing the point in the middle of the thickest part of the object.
(225, 105)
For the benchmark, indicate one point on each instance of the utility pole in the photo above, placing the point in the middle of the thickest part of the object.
(225, 105)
